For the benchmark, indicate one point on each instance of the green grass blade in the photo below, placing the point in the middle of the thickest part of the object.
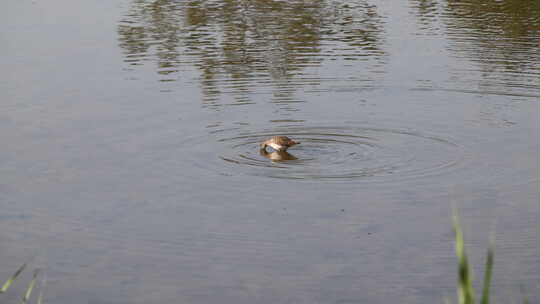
(12, 279)
(465, 287)
(487, 274)
(42, 287)
(40, 297)
(31, 286)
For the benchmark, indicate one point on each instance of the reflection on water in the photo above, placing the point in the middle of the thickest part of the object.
(237, 45)
(501, 37)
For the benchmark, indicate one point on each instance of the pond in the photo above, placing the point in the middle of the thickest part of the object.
(131, 170)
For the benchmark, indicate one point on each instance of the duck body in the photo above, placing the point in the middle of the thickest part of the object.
(279, 143)
(277, 156)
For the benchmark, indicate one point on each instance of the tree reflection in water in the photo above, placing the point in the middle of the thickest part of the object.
(501, 36)
(238, 45)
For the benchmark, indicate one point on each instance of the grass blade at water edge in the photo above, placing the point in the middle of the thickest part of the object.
(31, 285)
(12, 279)
(488, 271)
(465, 287)
(42, 287)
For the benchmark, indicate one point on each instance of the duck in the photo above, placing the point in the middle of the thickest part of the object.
(277, 156)
(279, 143)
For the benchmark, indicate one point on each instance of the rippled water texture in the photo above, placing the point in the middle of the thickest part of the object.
(338, 153)
(131, 171)
(500, 37)
(238, 45)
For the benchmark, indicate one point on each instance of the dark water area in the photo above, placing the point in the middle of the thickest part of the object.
(130, 165)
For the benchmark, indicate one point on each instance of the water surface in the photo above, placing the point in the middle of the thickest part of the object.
(131, 169)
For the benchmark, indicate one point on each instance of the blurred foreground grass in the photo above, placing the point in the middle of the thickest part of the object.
(29, 288)
(465, 289)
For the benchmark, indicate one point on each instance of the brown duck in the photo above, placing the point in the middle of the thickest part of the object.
(279, 143)
(277, 156)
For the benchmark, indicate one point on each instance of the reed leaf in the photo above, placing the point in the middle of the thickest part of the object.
(488, 271)
(42, 287)
(465, 286)
(30, 287)
(12, 279)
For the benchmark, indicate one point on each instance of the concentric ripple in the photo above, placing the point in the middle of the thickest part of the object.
(339, 153)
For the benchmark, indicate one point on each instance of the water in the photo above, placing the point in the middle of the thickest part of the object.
(131, 170)
(359, 154)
